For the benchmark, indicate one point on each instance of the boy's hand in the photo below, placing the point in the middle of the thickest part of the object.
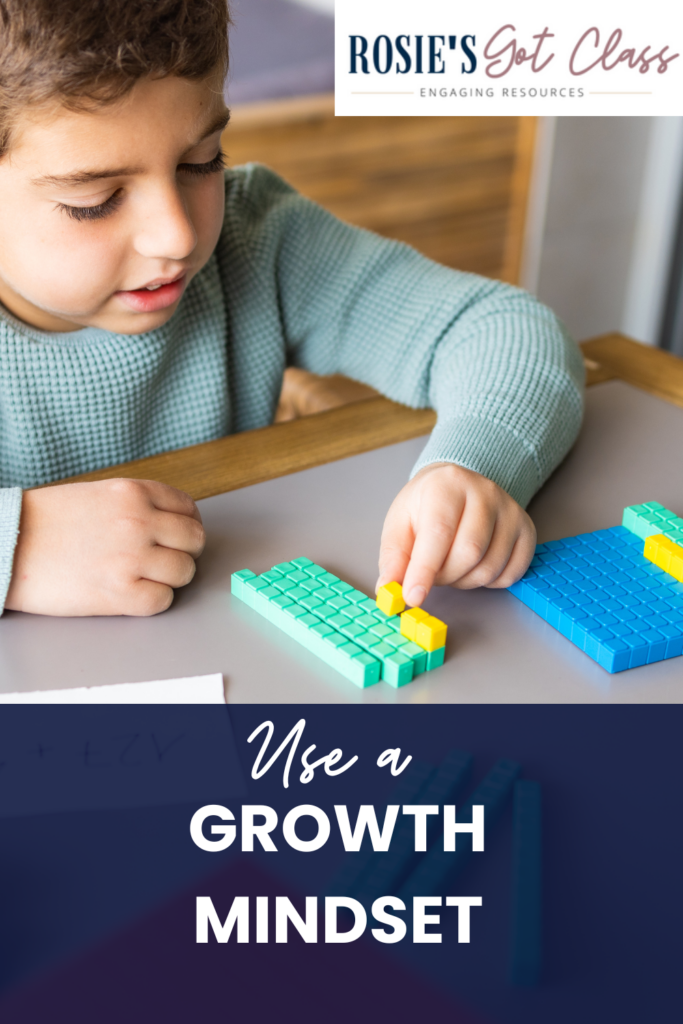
(115, 547)
(304, 393)
(450, 525)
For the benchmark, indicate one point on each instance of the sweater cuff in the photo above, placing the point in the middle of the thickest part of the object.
(10, 512)
(487, 448)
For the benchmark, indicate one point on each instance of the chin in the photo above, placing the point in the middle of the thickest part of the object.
(139, 323)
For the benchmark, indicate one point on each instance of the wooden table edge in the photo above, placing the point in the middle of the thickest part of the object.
(254, 456)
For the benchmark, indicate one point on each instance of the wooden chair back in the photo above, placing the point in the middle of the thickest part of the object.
(454, 187)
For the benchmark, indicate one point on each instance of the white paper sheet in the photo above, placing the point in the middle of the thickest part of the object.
(192, 690)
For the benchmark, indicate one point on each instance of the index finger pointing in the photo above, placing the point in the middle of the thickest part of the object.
(395, 545)
(435, 530)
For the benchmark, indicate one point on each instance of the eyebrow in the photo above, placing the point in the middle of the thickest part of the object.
(84, 177)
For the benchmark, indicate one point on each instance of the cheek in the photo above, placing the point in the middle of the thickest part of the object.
(58, 262)
(206, 207)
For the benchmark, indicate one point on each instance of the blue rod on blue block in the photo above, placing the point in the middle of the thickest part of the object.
(438, 866)
(526, 938)
(391, 868)
(355, 866)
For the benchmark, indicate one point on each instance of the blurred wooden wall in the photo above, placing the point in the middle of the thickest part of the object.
(454, 187)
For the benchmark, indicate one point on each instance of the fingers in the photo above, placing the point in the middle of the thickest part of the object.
(494, 556)
(166, 566)
(506, 558)
(472, 540)
(148, 598)
(395, 545)
(160, 496)
(170, 530)
(438, 522)
(452, 526)
(172, 514)
(170, 499)
(169, 541)
(521, 556)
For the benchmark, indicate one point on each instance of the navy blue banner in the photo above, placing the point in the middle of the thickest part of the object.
(488, 865)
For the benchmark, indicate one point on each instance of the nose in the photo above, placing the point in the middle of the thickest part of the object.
(163, 228)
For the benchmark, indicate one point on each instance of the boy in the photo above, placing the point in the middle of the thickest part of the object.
(151, 300)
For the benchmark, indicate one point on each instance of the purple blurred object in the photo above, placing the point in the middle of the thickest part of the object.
(278, 49)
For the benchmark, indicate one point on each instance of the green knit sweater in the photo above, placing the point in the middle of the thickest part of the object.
(289, 283)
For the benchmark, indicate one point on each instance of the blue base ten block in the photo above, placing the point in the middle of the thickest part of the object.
(601, 593)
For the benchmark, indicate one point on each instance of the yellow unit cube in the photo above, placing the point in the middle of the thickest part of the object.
(390, 599)
(655, 551)
(431, 633)
(665, 554)
(410, 620)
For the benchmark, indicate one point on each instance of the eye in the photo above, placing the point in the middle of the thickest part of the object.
(217, 164)
(93, 212)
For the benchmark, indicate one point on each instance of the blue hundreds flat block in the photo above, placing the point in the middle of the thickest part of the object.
(601, 593)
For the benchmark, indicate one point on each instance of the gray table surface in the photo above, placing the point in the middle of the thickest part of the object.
(498, 650)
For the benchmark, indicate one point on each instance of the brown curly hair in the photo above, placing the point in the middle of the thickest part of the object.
(92, 52)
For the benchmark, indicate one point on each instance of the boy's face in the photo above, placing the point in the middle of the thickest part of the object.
(95, 207)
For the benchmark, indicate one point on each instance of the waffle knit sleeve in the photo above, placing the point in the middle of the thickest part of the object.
(10, 511)
(501, 372)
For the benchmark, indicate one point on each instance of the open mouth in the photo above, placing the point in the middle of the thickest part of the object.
(154, 296)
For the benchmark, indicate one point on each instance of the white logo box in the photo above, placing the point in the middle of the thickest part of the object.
(443, 58)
